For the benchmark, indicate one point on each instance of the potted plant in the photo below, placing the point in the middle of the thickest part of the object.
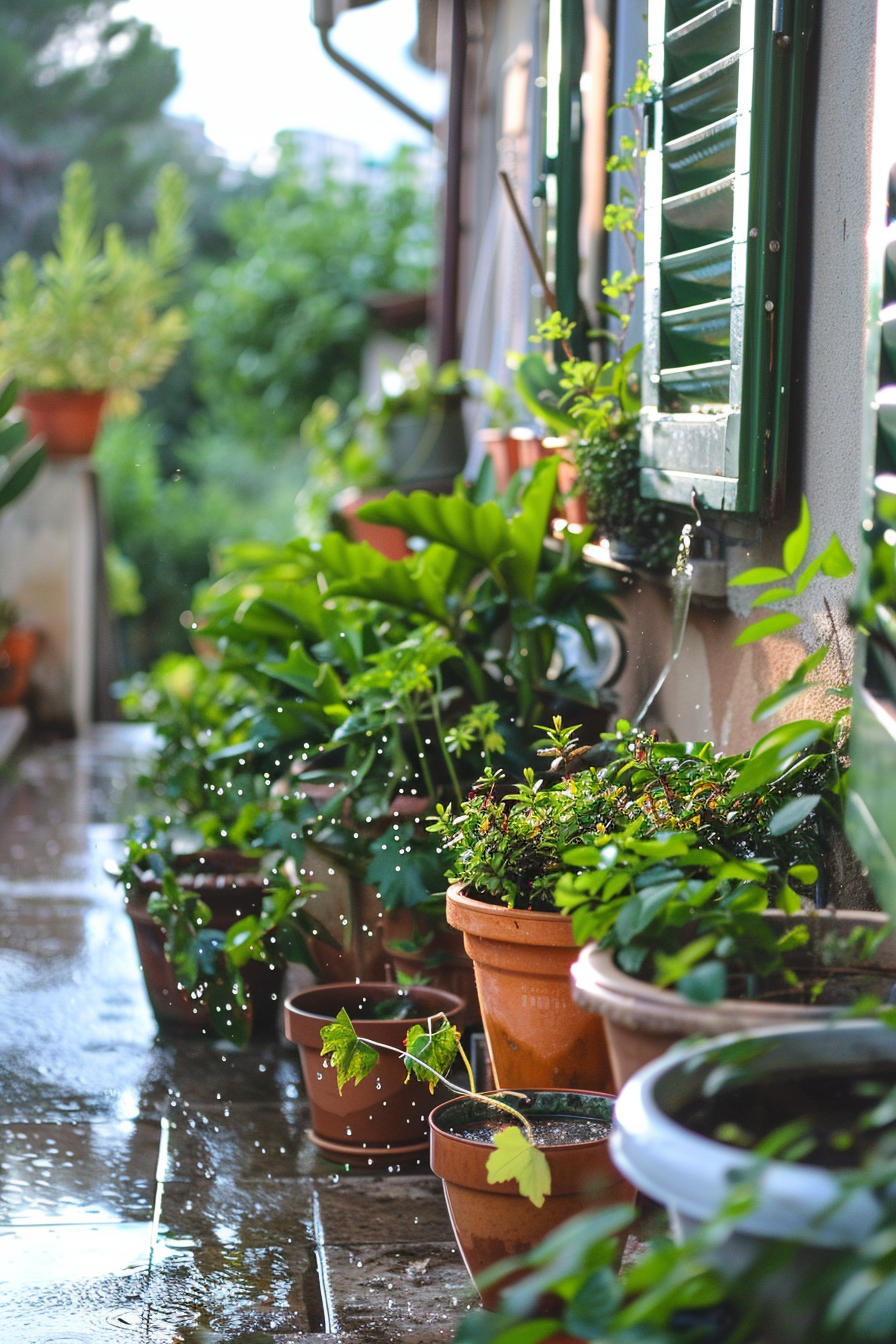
(93, 318)
(216, 924)
(18, 650)
(382, 1121)
(418, 415)
(548, 1147)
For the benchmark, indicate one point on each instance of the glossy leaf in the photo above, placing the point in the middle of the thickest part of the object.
(796, 544)
(788, 817)
(515, 1159)
(770, 625)
(352, 1057)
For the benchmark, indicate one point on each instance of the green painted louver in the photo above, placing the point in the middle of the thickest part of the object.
(719, 236)
(871, 800)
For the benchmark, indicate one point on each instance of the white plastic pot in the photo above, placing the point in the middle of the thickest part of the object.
(691, 1175)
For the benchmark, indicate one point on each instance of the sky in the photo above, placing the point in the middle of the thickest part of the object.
(247, 78)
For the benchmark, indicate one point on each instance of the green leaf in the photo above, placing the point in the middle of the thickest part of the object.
(804, 872)
(353, 1057)
(761, 574)
(770, 625)
(773, 595)
(794, 685)
(788, 817)
(541, 390)
(515, 1159)
(18, 471)
(835, 563)
(796, 543)
(788, 901)
(705, 984)
(431, 1053)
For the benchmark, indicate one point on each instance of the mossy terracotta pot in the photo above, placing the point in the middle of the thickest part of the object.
(492, 1222)
(537, 1036)
(381, 1121)
(231, 886)
(69, 420)
(642, 1021)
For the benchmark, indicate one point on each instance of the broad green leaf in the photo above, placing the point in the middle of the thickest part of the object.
(770, 625)
(18, 471)
(788, 817)
(788, 901)
(515, 1159)
(541, 392)
(672, 968)
(773, 595)
(761, 574)
(804, 872)
(835, 563)
(352, 1057)
(527, 531)
(796, 543)
(477, 530)
(794, 686)
(705, 984)
(431, 1053)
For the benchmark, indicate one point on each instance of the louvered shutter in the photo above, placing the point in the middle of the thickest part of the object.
(871, 801)
(719, 234)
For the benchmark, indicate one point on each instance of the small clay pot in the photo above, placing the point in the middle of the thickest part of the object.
(383, 1119)
(492, 1222)
(537, 1036)
(504, 451)
(391, 542)
(231, 886)
(18, 650)
(69, 420)
(642, 1021)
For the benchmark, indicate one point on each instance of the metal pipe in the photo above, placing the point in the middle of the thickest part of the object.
(449, 336)
(373, 84)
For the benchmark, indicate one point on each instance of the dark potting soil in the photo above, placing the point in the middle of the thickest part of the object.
(830, 1104)
(547, 1131)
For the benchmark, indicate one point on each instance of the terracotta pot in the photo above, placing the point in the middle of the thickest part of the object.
(643, 1021)
(529, 447)
(69, 420)
(441, 961)
(18, 650)
(382, 1120)
(575, 506)
(492, 1222)
(231, 886)
(537, 1036)
(389, 541)
(504, 451)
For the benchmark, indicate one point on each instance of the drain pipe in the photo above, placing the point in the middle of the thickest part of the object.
(449, 335)
(323, 15)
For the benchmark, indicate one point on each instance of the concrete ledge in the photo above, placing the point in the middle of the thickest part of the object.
(13, 723)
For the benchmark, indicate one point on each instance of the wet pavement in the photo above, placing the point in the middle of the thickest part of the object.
(163, 1189)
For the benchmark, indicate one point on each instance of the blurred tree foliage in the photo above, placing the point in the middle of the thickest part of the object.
(284, 323)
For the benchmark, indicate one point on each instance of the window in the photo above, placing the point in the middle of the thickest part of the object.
(719, 225)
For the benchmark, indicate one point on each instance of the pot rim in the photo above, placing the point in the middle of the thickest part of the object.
(453, 1003)
(505, 1092)
(466, 913)
(691, 1174)
(600, 985)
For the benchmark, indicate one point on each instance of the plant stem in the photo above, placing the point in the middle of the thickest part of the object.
(411, 718)
(446, 754)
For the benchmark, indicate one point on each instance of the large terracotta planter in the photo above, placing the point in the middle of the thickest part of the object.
(537, 1036)
(492, 1222)
(389, 541)
(18, 650)
(382, 1120)
(643, 1021)
(231, 886)
(69, 420)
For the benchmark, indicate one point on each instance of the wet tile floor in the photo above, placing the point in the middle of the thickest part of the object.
(159, 1189)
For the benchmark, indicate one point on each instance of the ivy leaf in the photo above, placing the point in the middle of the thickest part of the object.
(796, 543)
(435, 1049)
(771, 625)
(353, 1057)
(515, 1159)
(788, 817)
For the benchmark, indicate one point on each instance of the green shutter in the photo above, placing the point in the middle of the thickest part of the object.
(721, 179)
(871, 801)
